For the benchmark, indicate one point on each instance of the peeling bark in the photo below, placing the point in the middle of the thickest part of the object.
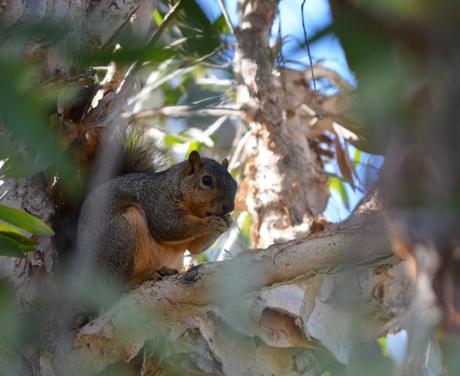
(284, 184)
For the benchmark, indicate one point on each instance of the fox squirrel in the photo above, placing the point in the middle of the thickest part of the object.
(139, 224)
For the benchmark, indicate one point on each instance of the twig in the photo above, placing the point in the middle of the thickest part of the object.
(166, 21)
(225, 14)
(184, 111)
(309, 54)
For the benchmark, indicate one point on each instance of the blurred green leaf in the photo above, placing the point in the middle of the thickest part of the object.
(201, 37)
(194, 145)
(17, 165)
(192, 15)
(24, 111)
(246, 225)
(8, 229)
(202, 258)
(16, 236)
(24, 244)
(172, 139)
(24, 221)
(172, 94)
(382, 341)
(157, 17)
(357, 157)
(338, 185)
(221, 25)
(9, 248)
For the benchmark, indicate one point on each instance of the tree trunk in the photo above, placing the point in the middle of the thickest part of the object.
(284, 186)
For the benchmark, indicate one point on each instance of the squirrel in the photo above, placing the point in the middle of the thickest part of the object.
(138, 225)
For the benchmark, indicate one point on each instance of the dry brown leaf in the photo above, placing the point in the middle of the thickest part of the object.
(343, 160)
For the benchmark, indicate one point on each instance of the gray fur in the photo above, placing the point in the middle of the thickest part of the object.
(103, 231)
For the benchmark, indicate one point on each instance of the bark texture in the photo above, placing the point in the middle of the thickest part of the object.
(284, 185)
(89, 25)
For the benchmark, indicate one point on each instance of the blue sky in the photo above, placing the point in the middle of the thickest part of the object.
(317, 15)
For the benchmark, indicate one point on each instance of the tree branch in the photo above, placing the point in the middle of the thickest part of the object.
(278, 295)
(184, 111)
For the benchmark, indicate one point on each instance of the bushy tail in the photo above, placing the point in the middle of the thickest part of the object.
(133, 153)
(139, 154)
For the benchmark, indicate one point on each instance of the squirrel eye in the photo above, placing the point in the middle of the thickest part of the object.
(206, 180)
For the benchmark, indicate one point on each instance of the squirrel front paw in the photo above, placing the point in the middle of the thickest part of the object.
(218, 225)
(228, 219)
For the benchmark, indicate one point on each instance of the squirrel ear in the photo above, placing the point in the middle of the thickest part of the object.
(194, 162)
(225, 163)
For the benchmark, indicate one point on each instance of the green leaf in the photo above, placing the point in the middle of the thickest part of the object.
(8, 229)
(202, 258)
(9, 248)
(24, 221)
(174, 139)
(13, 235)
(172, 95)
(382, 341)
(16, 166)
(357, 157)
(157, 17)
(24, 243)
(24, 112)
(221, 25)
(201, 37)
(16, 236)
(194, 145)
(246, 225)
(338, 185)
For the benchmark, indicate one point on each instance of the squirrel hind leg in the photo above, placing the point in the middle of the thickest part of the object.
(146, 256)
(115, 252)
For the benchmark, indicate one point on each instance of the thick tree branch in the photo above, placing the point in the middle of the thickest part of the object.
(250, 294)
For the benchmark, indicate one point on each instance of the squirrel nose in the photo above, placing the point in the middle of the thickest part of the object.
(228, 207)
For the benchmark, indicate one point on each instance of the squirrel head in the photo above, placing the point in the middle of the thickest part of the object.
(207, 187)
